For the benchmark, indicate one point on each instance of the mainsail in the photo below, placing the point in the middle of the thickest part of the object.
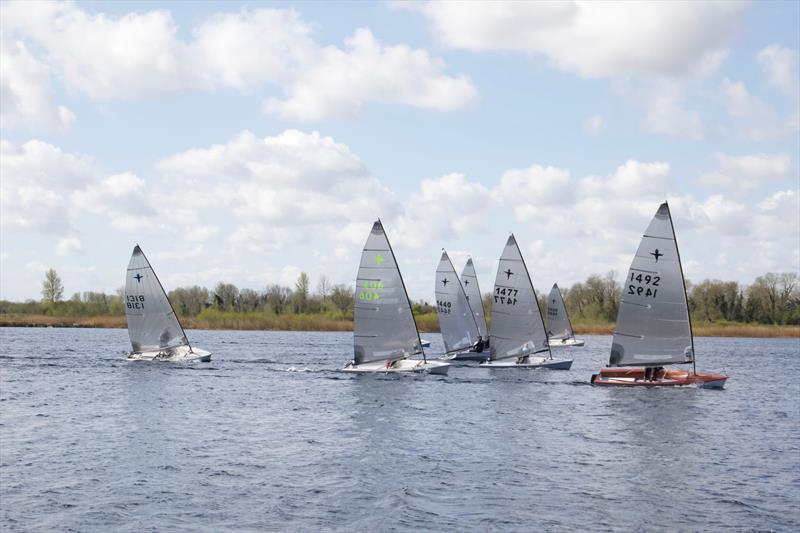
(152, 324)
(558, 325)
(456, 321)
(517, 324)
(470, 282)
(653, 324)
(384, 327)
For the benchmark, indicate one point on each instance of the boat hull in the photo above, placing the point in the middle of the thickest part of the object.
(403, 366)
(466, 356)
(181, 354)
(634, 377)
(533, 362)
(554, 343)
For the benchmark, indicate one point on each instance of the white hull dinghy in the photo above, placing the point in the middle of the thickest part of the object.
(156, 333)
(559, 326)
(518, 336)
(385, 333)
(654, 327)
(460, 333)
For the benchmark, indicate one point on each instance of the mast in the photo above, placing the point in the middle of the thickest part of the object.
(167, 297)
(683, 280)
(403, 283)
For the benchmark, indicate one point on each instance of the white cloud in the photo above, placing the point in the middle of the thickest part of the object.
(756, 121)
(534, 187)
(137, 55)
(25, 95)
(36, 180)
(251, 48)
(121, 197)
(68, 245)
(594, 39)
(665, 113)
(445, 207)
(744, 173)
(293, 179)
(340, 82)
(594, 125)
(781, 65)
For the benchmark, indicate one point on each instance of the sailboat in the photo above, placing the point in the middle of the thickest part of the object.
(559, 327)
(654, 327)
(518, 336)
(456, 319)
(385, 333)
(469, 280)
(155, 331)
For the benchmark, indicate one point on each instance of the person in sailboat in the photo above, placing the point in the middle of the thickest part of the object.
(478, 345)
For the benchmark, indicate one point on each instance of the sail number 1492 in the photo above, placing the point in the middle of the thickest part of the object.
(643, 285)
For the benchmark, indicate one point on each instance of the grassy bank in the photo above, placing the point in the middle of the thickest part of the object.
(426, 322)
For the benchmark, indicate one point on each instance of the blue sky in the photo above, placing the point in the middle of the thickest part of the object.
(246, 143)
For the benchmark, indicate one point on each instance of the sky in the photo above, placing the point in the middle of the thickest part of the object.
(248, 142)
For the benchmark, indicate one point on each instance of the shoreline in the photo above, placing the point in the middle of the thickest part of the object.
(315, 323)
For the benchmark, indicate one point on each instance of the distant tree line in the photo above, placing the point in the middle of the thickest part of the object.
(770, 299)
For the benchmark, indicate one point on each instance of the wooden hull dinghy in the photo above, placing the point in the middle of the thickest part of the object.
(654, 326)
(385, 334)
(635, 377)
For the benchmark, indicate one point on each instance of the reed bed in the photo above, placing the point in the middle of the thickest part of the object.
(426, 322)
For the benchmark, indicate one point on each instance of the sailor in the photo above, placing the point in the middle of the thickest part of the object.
(477, 345)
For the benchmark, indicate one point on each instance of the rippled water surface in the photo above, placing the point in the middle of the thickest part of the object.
(269, 436)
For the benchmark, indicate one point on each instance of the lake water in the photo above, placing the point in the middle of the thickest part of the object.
(269, 436)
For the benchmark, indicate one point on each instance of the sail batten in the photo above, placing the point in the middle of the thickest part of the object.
(456, 319)
(153, 325)
(653, 324)
(384, 327)
(517, 323)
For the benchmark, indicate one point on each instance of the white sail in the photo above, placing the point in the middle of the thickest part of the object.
(152, 324)
(384, 327)
(456, 321)
(558, 325)
(653, 325)
(470, 282)
(517, 324)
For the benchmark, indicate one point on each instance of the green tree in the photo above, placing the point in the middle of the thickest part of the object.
(52, 288)
(301, 289)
